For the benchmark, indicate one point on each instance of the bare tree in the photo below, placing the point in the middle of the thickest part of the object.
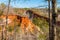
(52, 28)
(49, 19)
(7, 18)
(54, 12)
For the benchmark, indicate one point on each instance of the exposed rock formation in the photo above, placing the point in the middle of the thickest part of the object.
(27, 28)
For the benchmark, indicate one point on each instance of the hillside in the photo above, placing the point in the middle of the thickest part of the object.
(14, 24)
(40, 20)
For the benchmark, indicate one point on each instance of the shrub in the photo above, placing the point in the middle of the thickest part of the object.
(43, 25)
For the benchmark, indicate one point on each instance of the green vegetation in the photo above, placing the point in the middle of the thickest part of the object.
(43, 25)
(3, 6)
(1, 12)
(10, 29)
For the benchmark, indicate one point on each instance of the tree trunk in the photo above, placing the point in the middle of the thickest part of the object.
(49, 20)
(7, 18)
(53, 26)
